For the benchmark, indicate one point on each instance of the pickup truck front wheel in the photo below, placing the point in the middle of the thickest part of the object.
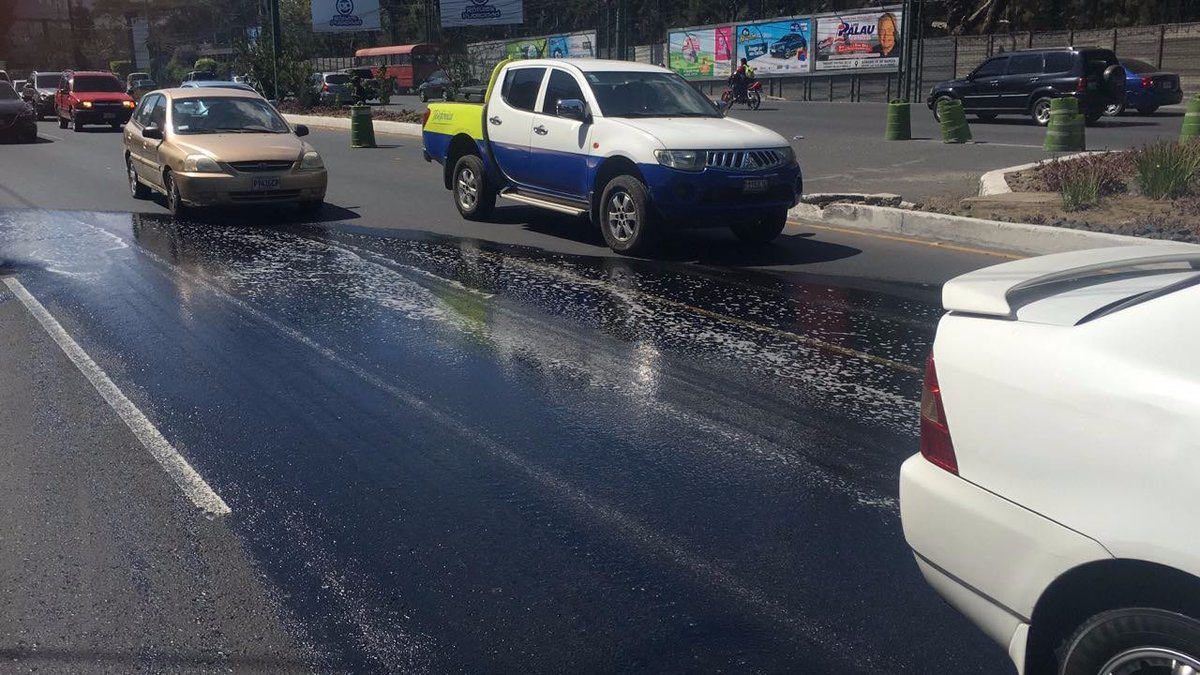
(473, 196)
(626, 219)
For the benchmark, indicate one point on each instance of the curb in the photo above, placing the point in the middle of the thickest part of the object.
(381, 126)
(995, 183)
(976, 232)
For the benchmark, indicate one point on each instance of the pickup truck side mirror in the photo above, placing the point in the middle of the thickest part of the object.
(153, 132)
(301, 130)
(573, 109)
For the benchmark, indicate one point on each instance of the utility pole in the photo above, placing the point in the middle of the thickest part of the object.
(906, 47)
(276, 45)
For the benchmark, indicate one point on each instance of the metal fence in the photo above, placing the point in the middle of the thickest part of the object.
(1171, 47)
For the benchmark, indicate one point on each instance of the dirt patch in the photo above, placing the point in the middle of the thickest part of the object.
(291, 108)
(1122, 208)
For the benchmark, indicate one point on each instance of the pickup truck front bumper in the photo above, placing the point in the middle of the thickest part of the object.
(716, 197)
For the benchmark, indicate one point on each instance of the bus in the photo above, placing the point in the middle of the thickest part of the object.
(408, 65)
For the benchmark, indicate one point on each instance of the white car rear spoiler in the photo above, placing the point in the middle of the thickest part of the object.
(989, 291)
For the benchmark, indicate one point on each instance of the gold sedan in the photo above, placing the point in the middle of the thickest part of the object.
(219, 147)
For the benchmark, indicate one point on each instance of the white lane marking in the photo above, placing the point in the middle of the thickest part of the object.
(160, 448)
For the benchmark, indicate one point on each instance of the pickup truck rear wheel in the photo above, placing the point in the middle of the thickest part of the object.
(473, 196)
(763, 230)
(627, 221)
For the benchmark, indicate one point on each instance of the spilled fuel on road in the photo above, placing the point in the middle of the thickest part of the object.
(452, 455)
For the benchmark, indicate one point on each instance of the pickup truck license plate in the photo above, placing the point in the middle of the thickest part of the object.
(753, 186)
(264, 184)
(110, 116)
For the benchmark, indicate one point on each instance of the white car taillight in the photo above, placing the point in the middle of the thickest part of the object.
(935, 434)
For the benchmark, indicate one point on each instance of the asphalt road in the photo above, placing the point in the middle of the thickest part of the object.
(841, 146)
(451, 447)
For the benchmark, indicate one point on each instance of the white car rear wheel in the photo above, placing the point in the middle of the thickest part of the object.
(1134, 641)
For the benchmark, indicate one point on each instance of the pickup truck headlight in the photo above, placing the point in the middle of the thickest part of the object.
(128, 104)
(789, 155)
(85, 104)
(684, 160)
(311, 160)
(201, 164)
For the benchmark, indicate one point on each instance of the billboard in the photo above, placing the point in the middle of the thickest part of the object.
(337, 16)
(574, 46)
(781, 47)
(859, 42)
(701, 53)
(480, 12)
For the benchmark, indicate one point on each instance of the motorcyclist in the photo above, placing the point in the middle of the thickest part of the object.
(739, 81)
(359, 90)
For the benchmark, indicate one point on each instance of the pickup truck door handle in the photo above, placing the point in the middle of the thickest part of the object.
(540, 130)
(495, 120)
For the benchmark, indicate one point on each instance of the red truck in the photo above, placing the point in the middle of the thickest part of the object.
(92, 97)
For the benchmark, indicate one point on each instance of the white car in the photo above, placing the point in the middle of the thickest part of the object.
(1052, 500)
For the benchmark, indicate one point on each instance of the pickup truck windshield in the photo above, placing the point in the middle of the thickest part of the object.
(648, 94)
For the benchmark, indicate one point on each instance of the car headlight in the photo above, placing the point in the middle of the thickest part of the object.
(128, 104)
(789, 155)
(684, 160)
(201, 164)
(312, 160)
(44, 97)
(85, 104)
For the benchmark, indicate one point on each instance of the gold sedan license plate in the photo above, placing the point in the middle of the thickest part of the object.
(264, 184)
(753, 186)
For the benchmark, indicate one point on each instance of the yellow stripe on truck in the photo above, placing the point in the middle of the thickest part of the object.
(456, 118)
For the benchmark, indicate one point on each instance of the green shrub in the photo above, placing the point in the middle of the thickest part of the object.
(206, 64)
(1081, 188)
(1167, 170)
(120, 68)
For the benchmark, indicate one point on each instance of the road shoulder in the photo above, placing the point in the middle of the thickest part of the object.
(105, 566)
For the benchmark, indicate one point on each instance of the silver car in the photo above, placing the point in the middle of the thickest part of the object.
(334, 88)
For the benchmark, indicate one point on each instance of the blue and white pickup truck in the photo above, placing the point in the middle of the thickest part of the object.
(632, 146)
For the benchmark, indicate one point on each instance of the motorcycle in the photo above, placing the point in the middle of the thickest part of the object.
(752, 98)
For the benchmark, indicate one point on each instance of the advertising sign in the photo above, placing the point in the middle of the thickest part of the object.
(338, 16)
(574, 46)
(703, 53)
(577, 46)
(859, 42)
(480, 12)
(775, 47)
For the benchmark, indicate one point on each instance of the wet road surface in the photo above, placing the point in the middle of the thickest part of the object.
(450, 455)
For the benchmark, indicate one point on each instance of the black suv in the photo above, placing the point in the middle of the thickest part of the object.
(1023, 82)
(39, 91)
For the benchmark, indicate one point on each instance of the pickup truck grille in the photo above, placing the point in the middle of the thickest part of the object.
(257, 166)
(745, 160)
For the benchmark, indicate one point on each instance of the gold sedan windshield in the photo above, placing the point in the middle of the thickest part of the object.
(226, 115)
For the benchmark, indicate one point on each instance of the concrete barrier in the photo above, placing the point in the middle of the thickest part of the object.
(381, 127)
(975, 232)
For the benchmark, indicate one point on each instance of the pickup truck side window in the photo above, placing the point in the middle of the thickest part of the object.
(562, 86)
(521, 87)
